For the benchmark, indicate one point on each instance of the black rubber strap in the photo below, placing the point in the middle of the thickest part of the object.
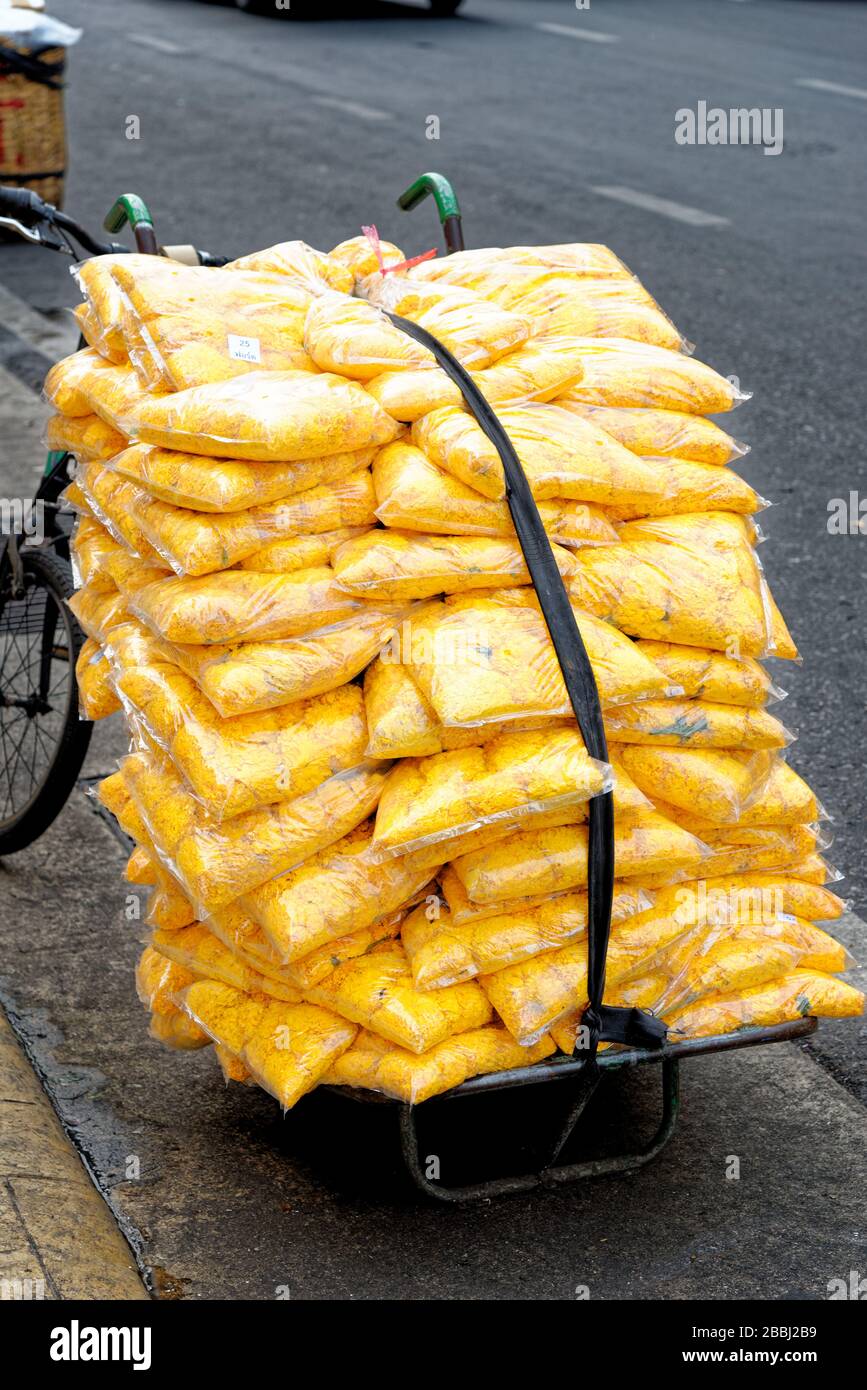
(31, 178)
(601, 1022)
(31, 66)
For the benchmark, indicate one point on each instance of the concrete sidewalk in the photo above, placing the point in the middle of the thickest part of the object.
(58, 1239)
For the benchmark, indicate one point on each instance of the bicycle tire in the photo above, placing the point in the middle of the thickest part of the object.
(46, 571)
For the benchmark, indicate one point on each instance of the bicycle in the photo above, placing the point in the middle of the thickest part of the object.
(43, 742)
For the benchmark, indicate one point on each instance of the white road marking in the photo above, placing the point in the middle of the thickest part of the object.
(680, 212)
(570, 32)
(818, 85)
(151, 41)
(354, 108)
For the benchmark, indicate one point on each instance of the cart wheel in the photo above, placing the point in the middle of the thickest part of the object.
(42, 740)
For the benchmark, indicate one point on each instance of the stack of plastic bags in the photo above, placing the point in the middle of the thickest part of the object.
(356, 789)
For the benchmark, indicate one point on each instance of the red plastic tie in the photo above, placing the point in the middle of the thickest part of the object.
(373, 237)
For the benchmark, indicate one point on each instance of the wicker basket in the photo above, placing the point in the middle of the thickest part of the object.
(32, 133)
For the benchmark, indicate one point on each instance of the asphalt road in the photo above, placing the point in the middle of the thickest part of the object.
(255, 130)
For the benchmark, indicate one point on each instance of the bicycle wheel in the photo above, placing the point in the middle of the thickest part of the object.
(42, 740)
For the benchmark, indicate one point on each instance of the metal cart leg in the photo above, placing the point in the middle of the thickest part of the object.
(625, 1163)
(552, 1176)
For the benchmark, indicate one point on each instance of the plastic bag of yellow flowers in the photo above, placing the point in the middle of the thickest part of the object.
(357, 793)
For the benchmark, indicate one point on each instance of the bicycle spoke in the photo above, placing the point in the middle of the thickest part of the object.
(37, 691)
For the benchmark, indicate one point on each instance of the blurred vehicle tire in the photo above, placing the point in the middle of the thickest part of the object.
(255, 6)
(445, 6)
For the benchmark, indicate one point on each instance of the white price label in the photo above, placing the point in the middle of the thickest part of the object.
(244, 349)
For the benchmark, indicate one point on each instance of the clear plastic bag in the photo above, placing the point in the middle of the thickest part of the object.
(539, 370)
(246, 939)
(196, 949)
(103, 298)
(88, 326)
(703, 674)
(97, 612)
(66, 382)
(85, 436)
(653, 432)
(537, 993)
(428, 800)
(197, 543)
(402, 724)
(633, 374)
(631, 898)
(281, 416)
(475, 330)
(373, 1064)
(681, 593)
(414, 494)
(286, 1048)
(580, 258)
(91, 546)
(96, 696)
(168, 909)
(72, 499)
(783, 798)
(314, 967)
(115, 502)
(716, 784)
(410, 565)
(355, 339)
(693, 487)
(563, 301)
(299, 552)
(240, 605)
(362, 256)
(554, 860)
(190, 325)
(158, 981)
(217, 861)
(709, 966)
(738, 850)
(228, 485)
(408, 395)
(536, 371)
(761, 896)
(253, 676)
(377, 991)
(342, 889)
(141, 868)
(442, 953)
(345, 889)
(797, 994)
(129, 573)
(241, 764)
(739, 956)
(706, 532)
(478, 660)
(313, 269)
(562, 456)
(695, 724)
(113, 393)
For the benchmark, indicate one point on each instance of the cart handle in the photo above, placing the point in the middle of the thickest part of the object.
(448, 207)
(129, 207)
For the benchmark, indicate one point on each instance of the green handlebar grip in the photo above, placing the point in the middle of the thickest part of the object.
(129, 207)
(438, 186)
